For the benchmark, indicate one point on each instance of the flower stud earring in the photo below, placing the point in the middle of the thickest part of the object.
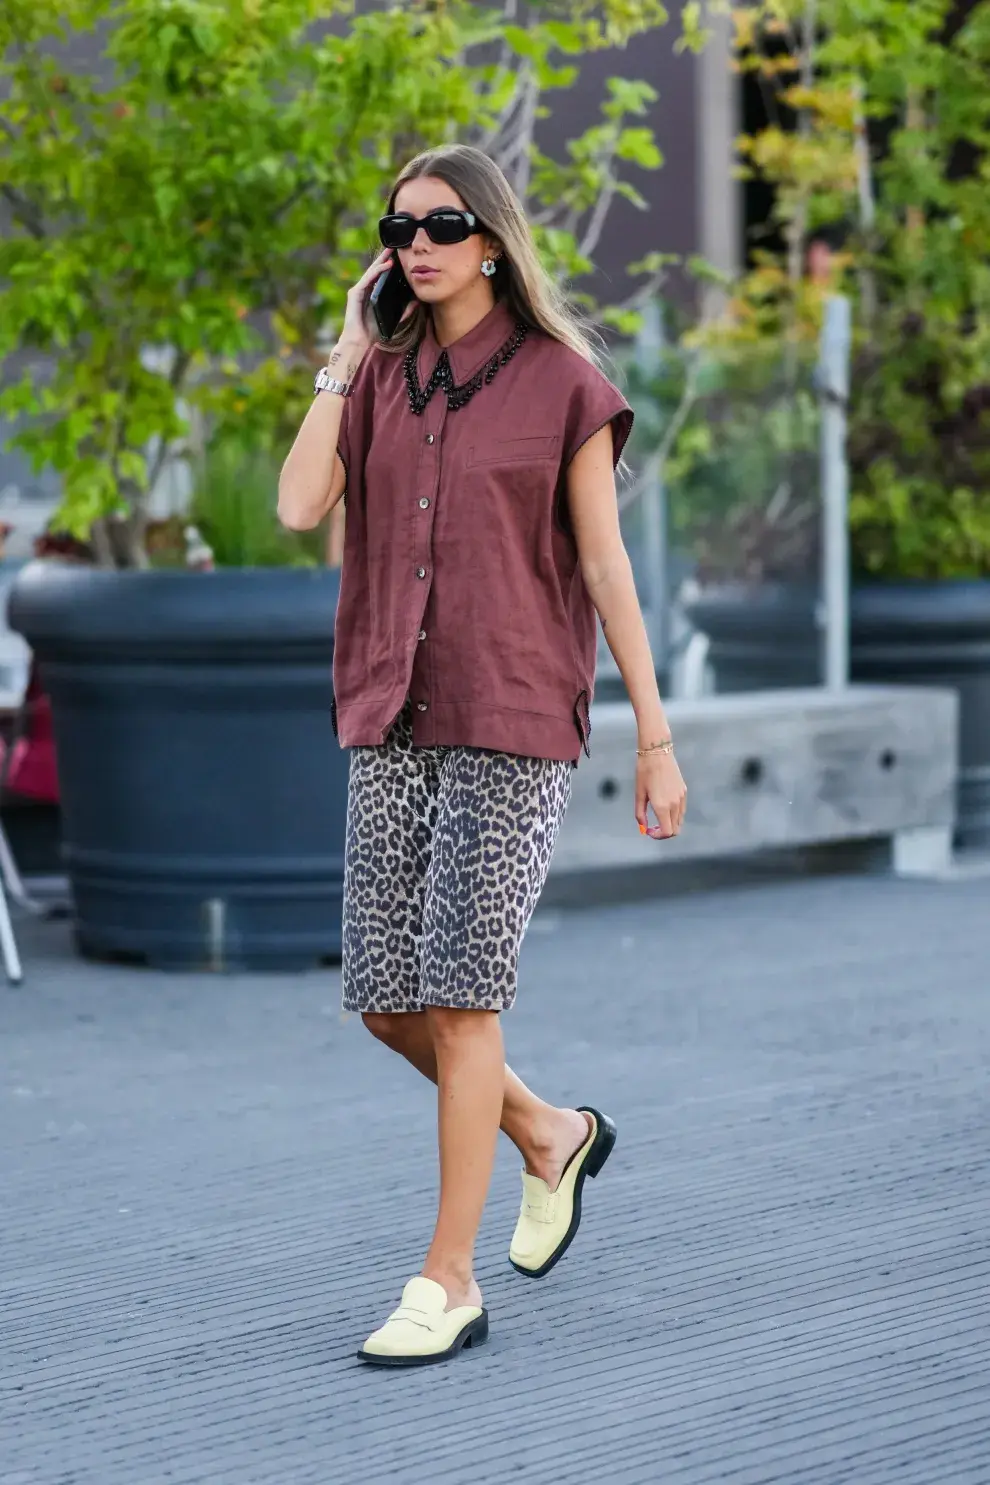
(488, 267)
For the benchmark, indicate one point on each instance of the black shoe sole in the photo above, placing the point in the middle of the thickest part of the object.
(601, 1149)
(475, 1333)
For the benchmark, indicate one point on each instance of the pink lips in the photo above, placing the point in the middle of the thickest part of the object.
(424, 272)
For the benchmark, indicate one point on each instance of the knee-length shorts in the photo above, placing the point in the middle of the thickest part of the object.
(447, 853)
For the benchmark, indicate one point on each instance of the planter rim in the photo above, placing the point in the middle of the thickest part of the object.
(954, 606)
(76, 610)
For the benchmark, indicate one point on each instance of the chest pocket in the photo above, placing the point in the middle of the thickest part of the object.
(513, 451)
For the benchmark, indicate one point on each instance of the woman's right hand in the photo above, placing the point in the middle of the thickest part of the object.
(355, 331)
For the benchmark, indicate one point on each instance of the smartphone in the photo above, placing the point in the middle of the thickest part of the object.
(389, 299)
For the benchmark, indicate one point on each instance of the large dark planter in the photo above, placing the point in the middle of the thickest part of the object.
(761, 638)
(203, 792)
(908, 634)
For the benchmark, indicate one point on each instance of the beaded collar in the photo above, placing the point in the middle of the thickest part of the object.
(443, 376)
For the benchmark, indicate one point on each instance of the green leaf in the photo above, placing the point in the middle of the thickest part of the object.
(630, 194)
(524, 43)
(554, 77)
(654, 262)
(694, 36)
(627, 95)
(569, 38)
(626, 321)
(639, 147)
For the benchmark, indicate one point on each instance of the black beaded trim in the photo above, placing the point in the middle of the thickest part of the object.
(443, 376)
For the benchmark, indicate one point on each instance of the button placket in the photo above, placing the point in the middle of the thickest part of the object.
(425, 493)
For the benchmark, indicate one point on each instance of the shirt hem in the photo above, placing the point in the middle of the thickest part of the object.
(467, 724)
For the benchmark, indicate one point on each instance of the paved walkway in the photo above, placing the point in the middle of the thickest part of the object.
(213, 1188)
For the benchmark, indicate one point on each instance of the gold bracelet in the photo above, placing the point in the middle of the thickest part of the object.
(667, 746)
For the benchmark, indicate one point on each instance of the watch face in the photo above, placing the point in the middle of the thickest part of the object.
(322, 377)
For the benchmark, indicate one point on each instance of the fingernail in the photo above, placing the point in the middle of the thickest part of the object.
(642, 830)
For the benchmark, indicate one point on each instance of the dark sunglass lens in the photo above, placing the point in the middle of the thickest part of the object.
(447, 227)
(396, 232)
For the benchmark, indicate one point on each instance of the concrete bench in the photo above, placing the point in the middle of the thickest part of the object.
(778, 769)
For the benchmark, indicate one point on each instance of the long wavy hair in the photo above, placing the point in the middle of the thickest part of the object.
(520, 280)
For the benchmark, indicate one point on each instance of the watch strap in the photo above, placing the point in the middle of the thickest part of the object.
(327, 383)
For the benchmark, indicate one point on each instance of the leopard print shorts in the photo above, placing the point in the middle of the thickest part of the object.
(447, 853)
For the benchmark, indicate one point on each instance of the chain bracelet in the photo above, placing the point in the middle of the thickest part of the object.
(667, 746)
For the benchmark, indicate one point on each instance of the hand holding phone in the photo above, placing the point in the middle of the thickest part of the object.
(389, 300)
(355, 330)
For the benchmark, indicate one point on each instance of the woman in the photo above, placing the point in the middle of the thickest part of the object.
(477, 449)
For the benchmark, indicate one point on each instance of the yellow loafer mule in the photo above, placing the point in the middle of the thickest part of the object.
(549, 1220)
(422, 1329)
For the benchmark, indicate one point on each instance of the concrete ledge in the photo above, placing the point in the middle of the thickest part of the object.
(778, 769)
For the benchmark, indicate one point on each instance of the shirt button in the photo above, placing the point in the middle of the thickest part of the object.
(421, 634)
(421, 572)
(431, 438)
(421, 706)
(424, 504)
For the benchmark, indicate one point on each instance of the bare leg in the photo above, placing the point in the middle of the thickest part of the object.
(471, 1067)
(545, 1136)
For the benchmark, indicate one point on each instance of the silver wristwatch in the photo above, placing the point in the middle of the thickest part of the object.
(327, 383)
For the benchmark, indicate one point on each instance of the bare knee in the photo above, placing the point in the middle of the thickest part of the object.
(390, 1027)
(452, 1028)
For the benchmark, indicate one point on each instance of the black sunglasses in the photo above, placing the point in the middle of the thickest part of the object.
(445, 226)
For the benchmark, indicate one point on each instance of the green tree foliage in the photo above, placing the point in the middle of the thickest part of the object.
(188, 209)
(892, 102)
(878, 125)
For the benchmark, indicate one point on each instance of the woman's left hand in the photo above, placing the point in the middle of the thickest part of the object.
(659, 784)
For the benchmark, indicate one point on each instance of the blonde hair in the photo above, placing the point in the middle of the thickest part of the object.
(520, 281)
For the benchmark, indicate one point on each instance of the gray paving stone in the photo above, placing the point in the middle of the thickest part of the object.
(211, 1189)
